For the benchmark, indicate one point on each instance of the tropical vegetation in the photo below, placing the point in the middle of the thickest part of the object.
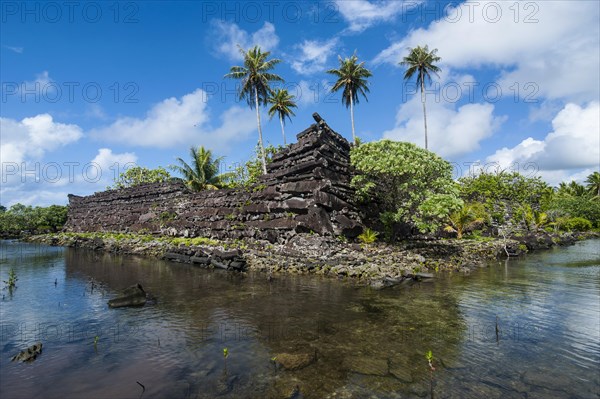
(203, 173)
(282, 103)
(138, 175)
(352, 80)
(22, 219)
(420, 62)
(256, 79)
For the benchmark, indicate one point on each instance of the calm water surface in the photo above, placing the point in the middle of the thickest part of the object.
(367, 343)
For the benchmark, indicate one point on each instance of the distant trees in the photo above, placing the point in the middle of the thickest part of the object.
(138, 175)
(19, 219)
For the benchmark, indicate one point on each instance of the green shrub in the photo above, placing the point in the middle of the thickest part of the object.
(577, 224)
(368, 236)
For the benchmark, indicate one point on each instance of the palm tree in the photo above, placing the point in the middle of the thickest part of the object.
(468, 217)
(282, 104)
(255, 77)
(593, 183)
(203, 173)
(421, 61)
(352, 77)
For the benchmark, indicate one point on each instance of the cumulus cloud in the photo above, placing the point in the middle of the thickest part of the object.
(573, 144)
(551, 44)
(313, 55)
(180, 121)
(32, 137)
(361, 14)
(451, 132)
(228, 36)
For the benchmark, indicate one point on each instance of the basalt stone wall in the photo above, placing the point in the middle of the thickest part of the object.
(307, 189)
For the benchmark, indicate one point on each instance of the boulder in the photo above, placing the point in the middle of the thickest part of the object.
(132, 296)
(29, 354)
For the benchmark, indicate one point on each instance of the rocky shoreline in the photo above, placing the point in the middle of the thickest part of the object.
(378, 265)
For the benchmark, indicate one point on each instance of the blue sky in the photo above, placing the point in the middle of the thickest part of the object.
(90, 87)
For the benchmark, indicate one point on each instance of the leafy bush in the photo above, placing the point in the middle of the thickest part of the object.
(577, 224)
(412, 185)
(138, 175)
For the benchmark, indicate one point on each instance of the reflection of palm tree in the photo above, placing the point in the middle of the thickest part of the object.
(203, 173)
(283, 103)
(421, 61)
(593, 183)
(255, 77)
(352, 77)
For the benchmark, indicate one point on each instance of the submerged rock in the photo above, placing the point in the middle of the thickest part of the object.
(295, 361)
(132, 296)
(29, 354)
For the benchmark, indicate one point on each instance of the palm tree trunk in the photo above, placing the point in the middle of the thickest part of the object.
(260, 140)
(282, 130)
(352, 118)
(424, 112)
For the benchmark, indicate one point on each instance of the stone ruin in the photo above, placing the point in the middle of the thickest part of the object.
(306, 190)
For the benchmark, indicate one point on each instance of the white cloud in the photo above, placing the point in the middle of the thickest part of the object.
(451, 132)
(14, 49)
(573, 144)
(32, 137)
(313, 56)
(228, 36)
(183, 121)
(105, 159)
(559, 53)
(362, 14)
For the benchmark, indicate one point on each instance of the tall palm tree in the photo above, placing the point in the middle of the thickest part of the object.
(203, 173)
(352, 77)
(420, 61)
(282, 104)
(593, 183)
(255, 89)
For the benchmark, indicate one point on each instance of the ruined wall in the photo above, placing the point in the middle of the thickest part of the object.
(306, 189)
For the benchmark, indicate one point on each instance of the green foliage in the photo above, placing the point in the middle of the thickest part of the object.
(412, 185)
(466, 218)
(368, 236)
(593, 184)
(21, 218)
(352, 80)
(421, 62)
(203, 173)
(281, 104)
(577, 224)
(11, 283)
(575, 207)
(247, 175)
(255, 77)
(139, 175)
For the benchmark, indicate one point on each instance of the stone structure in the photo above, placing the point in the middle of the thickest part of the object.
(307, 189)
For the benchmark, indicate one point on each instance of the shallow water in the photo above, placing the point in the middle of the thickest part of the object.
(367, 343)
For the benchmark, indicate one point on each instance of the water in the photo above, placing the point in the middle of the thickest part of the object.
(367, 343)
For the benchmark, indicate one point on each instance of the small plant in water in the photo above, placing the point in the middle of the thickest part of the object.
(11, 283)
(368, 236)
(429, 357)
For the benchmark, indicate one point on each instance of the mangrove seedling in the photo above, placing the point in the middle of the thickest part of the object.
(11, 283)
(429, 357)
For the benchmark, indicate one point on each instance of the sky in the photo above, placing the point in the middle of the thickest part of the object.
(89, 89)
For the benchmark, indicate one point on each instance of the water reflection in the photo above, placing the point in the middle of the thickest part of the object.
(528, 328)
